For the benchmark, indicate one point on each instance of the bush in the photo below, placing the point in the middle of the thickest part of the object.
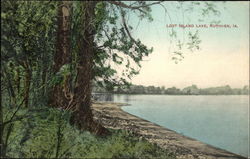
(46, 133)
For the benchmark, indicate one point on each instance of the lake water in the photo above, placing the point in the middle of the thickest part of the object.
(221, 121)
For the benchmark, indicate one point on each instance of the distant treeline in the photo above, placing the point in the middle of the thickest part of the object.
(190, 90)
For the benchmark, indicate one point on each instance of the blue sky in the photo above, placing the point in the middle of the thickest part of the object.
(224, 55)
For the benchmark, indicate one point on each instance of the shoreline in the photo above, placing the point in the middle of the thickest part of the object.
(173, 94)
(110, 115)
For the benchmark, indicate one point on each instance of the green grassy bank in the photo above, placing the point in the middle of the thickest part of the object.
(46, 133)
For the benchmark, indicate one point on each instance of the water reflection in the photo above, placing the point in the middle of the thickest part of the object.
(127, 98)
(109, 97)
(103, 97)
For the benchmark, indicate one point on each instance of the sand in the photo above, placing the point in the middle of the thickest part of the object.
(112, 116)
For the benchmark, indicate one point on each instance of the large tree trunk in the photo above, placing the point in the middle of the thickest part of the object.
(60, 92)
(82, 116)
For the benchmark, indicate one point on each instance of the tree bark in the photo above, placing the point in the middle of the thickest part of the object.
(18, 79)
(59, 93)
(27, 82)
(82, 116)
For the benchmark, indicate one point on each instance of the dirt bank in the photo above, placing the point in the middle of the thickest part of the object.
(112, 116)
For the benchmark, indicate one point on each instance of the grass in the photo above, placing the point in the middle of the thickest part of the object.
(46, 133)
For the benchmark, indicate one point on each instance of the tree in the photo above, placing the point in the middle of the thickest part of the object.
(191, 90)
(96, 38)
(26, 45)
(173, 91)
(245, 90)
(61, 94)
(93, 28)
(101, 45)
(26, 48)
(82, 116)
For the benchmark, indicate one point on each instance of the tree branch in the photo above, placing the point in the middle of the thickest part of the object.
(126, 27)
(14, 114)
(123, 5)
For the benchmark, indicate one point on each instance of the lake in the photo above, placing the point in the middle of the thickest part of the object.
(221, 121)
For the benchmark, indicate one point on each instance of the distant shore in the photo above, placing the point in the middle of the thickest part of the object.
(172, 94)
(190, 90)
(112, 116)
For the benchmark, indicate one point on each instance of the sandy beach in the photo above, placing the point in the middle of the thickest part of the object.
(112, 116)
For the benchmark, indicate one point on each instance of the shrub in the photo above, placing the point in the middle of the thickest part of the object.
(46, 133)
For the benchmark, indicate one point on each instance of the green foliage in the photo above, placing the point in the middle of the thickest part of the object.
(188, 40)
(27, 48)
(28, 35)
(24, 26)
(61, 75)
(116, 47)
(46, 126)
(194, 41)
(28, 45)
